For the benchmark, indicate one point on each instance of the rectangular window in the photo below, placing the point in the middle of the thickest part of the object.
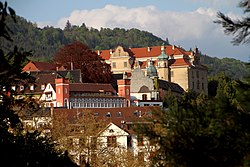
(114, 64)
(31, 87)
(144, 97)
(42, 87)
(198, 84)
(111, 141)
(197, 74)
(125, 64)
(129, 141)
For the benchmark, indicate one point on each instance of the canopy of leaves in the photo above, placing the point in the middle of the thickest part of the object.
(80, 56)
(19, 147)
(232, 68)
(204, 131)
(44, 42)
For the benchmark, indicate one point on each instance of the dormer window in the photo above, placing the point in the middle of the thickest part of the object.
(42, 87)
(21, 87)
(118, 114)
(108, 114)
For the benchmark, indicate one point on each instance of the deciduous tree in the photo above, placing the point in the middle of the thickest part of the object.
(79, 56)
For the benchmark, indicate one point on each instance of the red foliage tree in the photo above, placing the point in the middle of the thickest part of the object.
(93, 68)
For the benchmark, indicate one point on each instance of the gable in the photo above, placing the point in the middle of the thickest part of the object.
(113, 130)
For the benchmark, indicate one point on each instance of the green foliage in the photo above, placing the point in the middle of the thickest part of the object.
(240, 27)
(204, 131)
(19, 147)
(232, 68)
(46, 41)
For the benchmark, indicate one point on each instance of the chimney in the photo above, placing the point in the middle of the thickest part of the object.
(110, 51)
(98, 52)
(71, 66)
(149, 49)
(173, 47)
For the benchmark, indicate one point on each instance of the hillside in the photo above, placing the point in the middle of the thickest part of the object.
(46, 41)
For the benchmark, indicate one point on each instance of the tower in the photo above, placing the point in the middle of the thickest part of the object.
(163, 68)
(124, 90)
(62, 92)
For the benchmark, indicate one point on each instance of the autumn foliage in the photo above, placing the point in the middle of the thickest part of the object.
(80, 56)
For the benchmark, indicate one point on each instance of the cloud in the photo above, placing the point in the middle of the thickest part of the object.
(175, 25)
(218, 3)
(181, 28)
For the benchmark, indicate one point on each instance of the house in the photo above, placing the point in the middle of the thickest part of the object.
(39, 66)
(40, 79)
(117, 136)
(62, 93)
(172, 63)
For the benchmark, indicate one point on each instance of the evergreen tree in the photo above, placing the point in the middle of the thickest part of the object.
(204, 131)
(19, 147)
(239, 28)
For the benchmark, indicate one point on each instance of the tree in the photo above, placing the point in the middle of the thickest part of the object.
(19, 147)
(79, 133)
(204, 131)
(239, 28)
(79, 56)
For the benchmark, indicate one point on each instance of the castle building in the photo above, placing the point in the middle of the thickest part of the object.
(172, 63)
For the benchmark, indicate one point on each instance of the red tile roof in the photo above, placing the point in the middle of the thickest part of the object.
(115, 115)
(180, 62)
(154, 52)
(39, 66)
(91, 87)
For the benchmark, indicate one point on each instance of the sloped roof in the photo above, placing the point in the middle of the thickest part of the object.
(155, 51)
(43, 66)
(115, 115)
(179, 62)
(75, 75)
(174, 87)
(91, 87)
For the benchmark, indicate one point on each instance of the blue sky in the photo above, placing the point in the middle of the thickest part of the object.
(187, 23)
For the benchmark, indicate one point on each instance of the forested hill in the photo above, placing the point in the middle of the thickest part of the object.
(46, 41)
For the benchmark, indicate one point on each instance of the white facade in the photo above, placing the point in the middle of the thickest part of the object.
(49, 96)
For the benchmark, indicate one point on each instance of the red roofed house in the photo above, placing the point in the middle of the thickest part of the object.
(119, 132)
(38, 66)
(172, 63)
(62, 93)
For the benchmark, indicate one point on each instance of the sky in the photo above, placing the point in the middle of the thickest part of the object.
(186, 23)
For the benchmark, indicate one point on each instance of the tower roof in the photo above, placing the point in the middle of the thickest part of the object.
(151, 70)
(163, 55)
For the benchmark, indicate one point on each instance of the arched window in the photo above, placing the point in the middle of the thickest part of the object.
(65, 102)
(127, 103)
